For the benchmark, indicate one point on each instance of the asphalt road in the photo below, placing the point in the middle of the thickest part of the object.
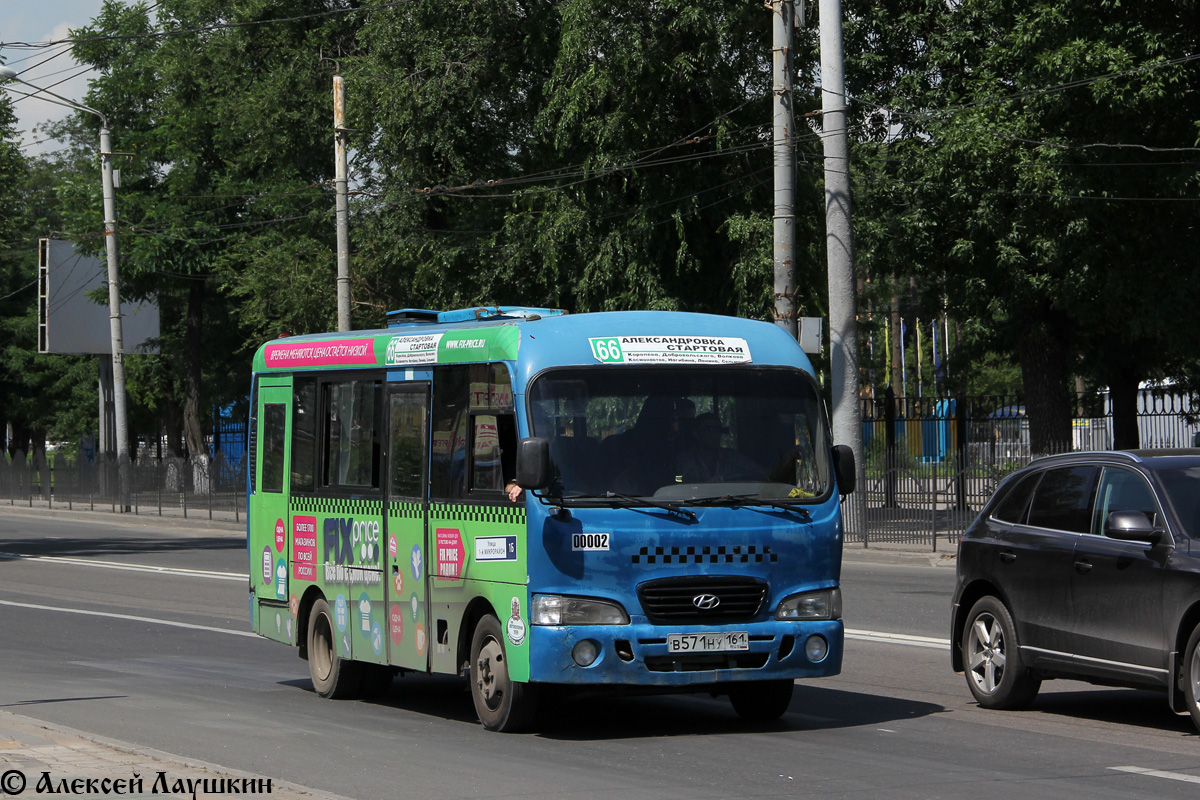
(138, 633)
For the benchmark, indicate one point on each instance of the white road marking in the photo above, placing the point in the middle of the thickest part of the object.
(1155, 773)
(90, 562)
(129, 617)
(898, 638)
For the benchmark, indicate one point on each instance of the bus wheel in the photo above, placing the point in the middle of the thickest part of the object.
(761, 701)
(332, 676)
(501, 703)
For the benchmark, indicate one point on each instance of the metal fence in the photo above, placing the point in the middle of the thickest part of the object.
(198, 487)
(933, 463)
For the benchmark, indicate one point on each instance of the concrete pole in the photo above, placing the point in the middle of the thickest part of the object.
(343, 206)
(114, 318)
(782, 14)
(839, 244)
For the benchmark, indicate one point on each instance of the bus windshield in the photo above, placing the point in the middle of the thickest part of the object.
(683, 434)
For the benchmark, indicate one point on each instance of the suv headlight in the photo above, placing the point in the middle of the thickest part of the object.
(823, 604)
(557, 609)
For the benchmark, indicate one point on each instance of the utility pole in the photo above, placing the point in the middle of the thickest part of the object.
(114, 317)
(839, 244)
(114, 284)
(783, 24)
(343, 207)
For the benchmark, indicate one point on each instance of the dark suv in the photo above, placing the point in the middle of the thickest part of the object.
(1084, 566)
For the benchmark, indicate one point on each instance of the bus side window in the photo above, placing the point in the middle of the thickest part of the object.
(304, 434)
(274, 431)
(407, 452)
(448, 464)
(352, 451)
(493, 428)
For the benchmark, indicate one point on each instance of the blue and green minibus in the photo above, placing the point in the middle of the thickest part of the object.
(620, 501)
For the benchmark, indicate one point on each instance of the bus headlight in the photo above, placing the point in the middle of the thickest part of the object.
(823, 604)
(557, 609)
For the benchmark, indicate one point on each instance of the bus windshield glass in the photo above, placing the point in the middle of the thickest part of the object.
(683, 434)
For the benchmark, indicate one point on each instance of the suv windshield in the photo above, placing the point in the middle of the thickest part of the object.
(1183, 489)
(681, 434)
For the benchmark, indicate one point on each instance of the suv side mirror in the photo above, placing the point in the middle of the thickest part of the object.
(1132, 526)
(843, 469)
(533, 463)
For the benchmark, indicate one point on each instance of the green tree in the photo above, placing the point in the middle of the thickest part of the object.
(1027, 165)
(226, 207)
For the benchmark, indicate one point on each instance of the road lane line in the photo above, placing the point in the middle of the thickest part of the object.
(1155, 773)
(128, 617)
(858, 635)
(898, 638)
(90, 562)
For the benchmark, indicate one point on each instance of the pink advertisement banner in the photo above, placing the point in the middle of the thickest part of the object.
(321, 354)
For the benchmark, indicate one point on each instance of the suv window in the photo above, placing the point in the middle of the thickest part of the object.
(1063, 500)
(1122, 490)
(1012, 508)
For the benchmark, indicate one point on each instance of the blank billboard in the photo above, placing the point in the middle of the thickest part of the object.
(70, 322)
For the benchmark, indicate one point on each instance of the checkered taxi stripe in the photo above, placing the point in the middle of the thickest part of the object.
(704, 554)
(511, 514)
(336, 506)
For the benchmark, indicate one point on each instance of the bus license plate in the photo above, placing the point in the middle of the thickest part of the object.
(707, 642)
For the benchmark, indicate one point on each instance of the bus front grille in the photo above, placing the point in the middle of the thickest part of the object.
(702, 599)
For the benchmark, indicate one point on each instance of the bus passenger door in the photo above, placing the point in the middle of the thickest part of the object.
(407, 471)
(268, 511)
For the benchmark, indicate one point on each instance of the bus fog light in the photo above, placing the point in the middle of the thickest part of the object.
(585, 653)
(816, 648)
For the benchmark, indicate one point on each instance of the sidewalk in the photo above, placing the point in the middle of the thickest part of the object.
(912, 554)
(41, 758)
(221, 522)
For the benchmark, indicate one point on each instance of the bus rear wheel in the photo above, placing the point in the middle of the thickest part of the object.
(332, 676)
(502, 704)
(761, 701)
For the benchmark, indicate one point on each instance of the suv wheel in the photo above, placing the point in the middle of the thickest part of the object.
(992, 659)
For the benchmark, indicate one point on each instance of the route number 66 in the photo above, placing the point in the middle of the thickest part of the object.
(607, 350)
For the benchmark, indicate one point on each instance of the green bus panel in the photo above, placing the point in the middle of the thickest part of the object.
(268, 517)
(338, 547)
(478, 551)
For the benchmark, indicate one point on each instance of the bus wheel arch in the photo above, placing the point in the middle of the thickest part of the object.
(303, 617)
(476, 610)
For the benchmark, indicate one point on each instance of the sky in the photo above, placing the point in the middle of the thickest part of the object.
(43, 21)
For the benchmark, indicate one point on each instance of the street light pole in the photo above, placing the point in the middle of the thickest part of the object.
(114, 288)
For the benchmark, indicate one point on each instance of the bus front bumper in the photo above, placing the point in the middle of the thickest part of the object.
(640, 654)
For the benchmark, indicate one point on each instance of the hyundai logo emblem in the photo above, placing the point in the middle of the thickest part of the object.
(706, 602)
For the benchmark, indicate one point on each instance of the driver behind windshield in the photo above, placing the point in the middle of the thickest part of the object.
(706, 461)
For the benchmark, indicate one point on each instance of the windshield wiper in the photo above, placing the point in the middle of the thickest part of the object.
(628, 501)
(733, 499)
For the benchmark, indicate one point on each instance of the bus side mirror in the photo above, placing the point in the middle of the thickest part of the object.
(843, 469)
(533, 463)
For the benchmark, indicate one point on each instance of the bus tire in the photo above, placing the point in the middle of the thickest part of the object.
(502, 704)
(332, 676)
(761, 701)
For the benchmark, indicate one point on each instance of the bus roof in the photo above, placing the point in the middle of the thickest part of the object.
(535, 339)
